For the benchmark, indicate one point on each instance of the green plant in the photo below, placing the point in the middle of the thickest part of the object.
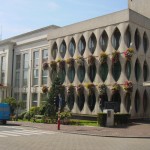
(129, 53)
(80, 61)
(70, 61)
(80, 89)
(91, 60)
(45, 66)
(44, 89)
(120, 119)
(103, 57)
(128, 86)
(102, 89)
(61, 63)
(115, 88)
(101, 119)
(53, 65)
(115, 57)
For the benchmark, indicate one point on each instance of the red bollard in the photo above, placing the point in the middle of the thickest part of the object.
(58, 123)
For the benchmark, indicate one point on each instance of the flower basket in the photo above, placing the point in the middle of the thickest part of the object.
(80, 61)
(102, 89)
(44, 89)
(80, 89)
(129, 53)
(128, 86)
(45, 66)
(91, 60)
(103, 57)
(115, 57)
(115, 88)
(90, 87)
(70, 90)
(61, 63)
(70, 61)
(53, 65)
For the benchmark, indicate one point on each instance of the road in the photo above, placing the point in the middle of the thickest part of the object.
(27, 138)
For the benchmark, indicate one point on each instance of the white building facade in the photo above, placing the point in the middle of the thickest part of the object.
(79, 47)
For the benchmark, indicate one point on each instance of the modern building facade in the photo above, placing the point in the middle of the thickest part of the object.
(101, 60)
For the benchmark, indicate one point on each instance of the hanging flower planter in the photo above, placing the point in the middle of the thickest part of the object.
(80, 61)
(128, 86)
(115, 88)
(45, 66)
(70, 61)
(61, 63)
(90, 87)
(103, 57)
(70, 90)
(44, 89)
(129, 53)
(80, 89)
(53, 65)
(102, 89)
(115, 57)
(91, 60)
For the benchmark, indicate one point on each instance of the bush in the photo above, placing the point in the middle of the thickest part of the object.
(120, 119)
(101, 119)
(21, 116)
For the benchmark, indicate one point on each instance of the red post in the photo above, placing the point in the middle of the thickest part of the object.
(58, 121)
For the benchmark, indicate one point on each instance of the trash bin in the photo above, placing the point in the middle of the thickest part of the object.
(110, 117)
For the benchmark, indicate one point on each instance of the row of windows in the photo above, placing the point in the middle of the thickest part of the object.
(102, 71)
(91, 101)
(35, 68)
(103, 42)
(3, 69)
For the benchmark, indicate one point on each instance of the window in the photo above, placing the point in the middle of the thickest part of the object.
(92, 43)
(44, 55)
(104, 41)
(43, 99)
(24, 99)
(80, 101)
(145, 71)
(62, 49)
(128, 69)
(71, 73)
(103, 71)
(92, 72)
(17, 73)
(117, 99)
(137, 39)
(34, 99)
(3, 69)
(145, 42)
(25, 69)
(145, 101)
(116, 39)
(16, 96)
(91, 101)
(128, 37)
(35, 67)
(137, 70)
(137, 101)
(116, 70)
(44, 76)
(127, 102)
(81, 73)
(70, 100)
(44, 72)
(81, 45)
(72, 47)
(54, 51)
(62, 75)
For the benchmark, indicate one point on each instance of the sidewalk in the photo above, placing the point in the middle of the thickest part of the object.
(134, 130)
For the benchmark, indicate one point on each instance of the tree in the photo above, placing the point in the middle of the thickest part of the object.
(51, 106)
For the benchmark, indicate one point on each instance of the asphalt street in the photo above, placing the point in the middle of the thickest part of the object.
(28, 138)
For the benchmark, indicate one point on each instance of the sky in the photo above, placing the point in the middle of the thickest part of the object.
(20, 16)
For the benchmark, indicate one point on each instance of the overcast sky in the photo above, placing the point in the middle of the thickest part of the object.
(20, 16)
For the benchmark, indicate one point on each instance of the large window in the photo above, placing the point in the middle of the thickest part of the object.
(24, 99)
(72, 47)
(25, 69)
(104, 41)
(3, 69)
(35, 67)
(116, 39)
(34, 99)
(17, 74)
(92, 43)
(62, 49)
(44, 72)
(81, 45)
(54, 50)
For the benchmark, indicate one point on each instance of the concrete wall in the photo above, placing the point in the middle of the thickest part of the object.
(140, 6)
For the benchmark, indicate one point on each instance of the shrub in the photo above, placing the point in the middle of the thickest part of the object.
(21, 116)
(101, 119)
(120, 119)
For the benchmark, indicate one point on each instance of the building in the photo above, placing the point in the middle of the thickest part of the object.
(90, 55)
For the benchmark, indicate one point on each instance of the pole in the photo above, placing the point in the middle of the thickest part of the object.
(58, 121)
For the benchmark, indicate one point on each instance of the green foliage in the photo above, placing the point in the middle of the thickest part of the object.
(101, 119)
(51, 107)
(120, 119)
(64, 115)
